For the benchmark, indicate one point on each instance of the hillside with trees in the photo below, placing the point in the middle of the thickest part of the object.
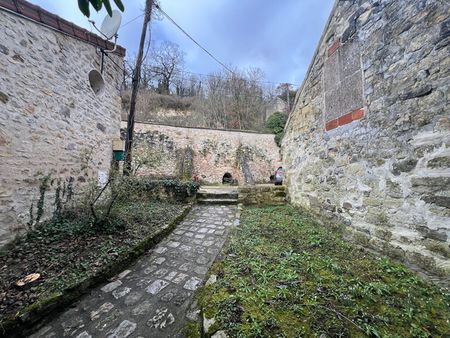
(169, 94)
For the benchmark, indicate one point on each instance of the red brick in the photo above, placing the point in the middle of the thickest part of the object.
(334, 47)
(331, 124)
(345, 119)
(49, 19)
(66, 26)
(79, 32)
(29, 10)
(357, 114)
(9, 4)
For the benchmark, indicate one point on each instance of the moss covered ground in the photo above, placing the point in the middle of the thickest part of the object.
(284, 275)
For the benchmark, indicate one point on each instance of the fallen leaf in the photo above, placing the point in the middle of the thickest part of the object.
(28, 279)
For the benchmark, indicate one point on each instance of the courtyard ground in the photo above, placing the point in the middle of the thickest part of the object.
(70, 256)
(155, 297)
(284, 275)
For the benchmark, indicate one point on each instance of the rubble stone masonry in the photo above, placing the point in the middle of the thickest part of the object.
(249, 157)
(368, 141)
(54, 130)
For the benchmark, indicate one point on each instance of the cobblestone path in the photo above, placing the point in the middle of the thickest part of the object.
(155, 296)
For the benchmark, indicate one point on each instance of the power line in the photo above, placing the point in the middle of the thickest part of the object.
(132, 20)
(192, 39)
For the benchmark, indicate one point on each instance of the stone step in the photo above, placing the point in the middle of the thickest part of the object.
(215, 195)
(218, 201)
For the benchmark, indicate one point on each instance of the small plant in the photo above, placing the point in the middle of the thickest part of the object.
(275, 123)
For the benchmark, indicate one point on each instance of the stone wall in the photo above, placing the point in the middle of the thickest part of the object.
(53, 127)
(368, 141)
(263, 194)
(209, 153)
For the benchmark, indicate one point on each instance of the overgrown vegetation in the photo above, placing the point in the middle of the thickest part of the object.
(82, 239)
(275, 123)
(283, 275)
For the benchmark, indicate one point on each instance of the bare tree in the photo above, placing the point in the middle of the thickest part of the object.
(166, 61)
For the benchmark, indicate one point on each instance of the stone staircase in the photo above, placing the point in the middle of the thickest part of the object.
(220, 196)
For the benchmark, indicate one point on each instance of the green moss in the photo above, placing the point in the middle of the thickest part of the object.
(284, 275)
(193, 330)
(440, 248)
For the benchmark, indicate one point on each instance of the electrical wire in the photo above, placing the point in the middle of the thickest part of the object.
(192, 39)
(132, 20)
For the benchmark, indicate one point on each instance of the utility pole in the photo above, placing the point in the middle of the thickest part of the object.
(135, 88)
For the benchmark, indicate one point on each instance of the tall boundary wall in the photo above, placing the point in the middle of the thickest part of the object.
(368, 141)
(162, 151)
(54, 130)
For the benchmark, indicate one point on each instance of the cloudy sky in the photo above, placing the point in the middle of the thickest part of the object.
(279, 37)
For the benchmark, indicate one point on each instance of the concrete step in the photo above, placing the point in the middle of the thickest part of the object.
(218, 201)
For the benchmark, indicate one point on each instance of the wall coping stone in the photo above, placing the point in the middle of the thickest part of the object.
(201, 128)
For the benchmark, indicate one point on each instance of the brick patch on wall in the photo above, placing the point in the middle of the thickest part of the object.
(345, 119)
(334, 47)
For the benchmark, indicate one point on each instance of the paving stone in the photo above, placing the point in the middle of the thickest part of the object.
(157, 286)
(189, 234)
(120, 292)
(200, 250)
(202, 260)
(173, 244)
(159, 260)
(123, 274)
(186, 267)
(84, 334)
(150, 269)
(105, 308)
(208, 243)
(125, 329)
(111, 286)
(199, 236)
(181, 298)
(167, 297)
(161, 272)
(142, 308)
(172, 263)
(106, 322)
(160, 249)
(143, 282)
(180, 278)
(192, 284)
(201, 270)
(161, 319)
(133, 298)
(171, 275)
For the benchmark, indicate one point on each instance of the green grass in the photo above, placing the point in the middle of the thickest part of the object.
(284, 275)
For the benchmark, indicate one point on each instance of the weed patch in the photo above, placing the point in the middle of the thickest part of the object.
(284, 275)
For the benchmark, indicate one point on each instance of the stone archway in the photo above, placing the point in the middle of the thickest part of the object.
(227, 178)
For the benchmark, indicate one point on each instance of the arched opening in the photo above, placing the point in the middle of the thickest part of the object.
(227, 178)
